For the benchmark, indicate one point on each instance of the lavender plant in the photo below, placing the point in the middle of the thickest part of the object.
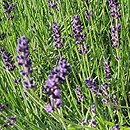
(88, 14)
(8, 60)
(104, 92)
(52, 4)
(67, 106)
(79, 36)
(92, 121)
(115, 35)
(25, 61)
(114, 9)
(79, 94)
(52, 86)
(116, 27)
(8, 8)
(11, 121)
(57, 36)
(92, 86)
(107, 68)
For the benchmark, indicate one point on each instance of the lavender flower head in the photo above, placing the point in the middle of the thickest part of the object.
(114, 99)
(88, 14)
(52, 4)
(107, 68)
(79, 36)
(93, 122)
(77, 30)
(115, 28)
(115, 11)
(52, 86)
(57, 36)
(25, 61)
(103, 90)
(8, 7)
(79, 94)
(48, 108)
(11, 120)
(115, 35)
(93, 110)
(92, 86)
(8, 60)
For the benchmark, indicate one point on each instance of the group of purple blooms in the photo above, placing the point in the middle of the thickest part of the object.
(25, 61)
(57, 36)
(8, 60)
(8, 8)
(116, 27)
(52, 86)
(77, 28)
(58, 74)
(79, 36)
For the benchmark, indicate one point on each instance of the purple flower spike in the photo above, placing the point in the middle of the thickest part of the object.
(115, 35)
(79, 94)
(25, 61)
(103, 90)
(11, 121)
(52, 4)
(92, 121)
(57, 102)
(88, 14)
(48, 108)
(77, 30)
(114, 99)
(84, 49)
(105, 100)
(79, 36)
(115, 11)
(55, 78)
(17, 80)
(8, 60)
(92, 86)
(57, 36)
(107, 68)
(115, 28)
(8, 7)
